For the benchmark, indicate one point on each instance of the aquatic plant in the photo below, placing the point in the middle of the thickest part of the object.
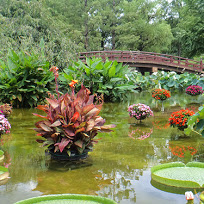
(179, 118)
(161, 94)
(194, 90)
(71, 120)
(179, 175)
(140, 111)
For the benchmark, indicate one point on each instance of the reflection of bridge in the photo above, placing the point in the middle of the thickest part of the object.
(149, 61)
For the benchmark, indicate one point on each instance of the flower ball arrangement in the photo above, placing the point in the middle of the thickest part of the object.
(4, 125)
(194, 90)
(140, 111)
(161, 94)
(179, 118)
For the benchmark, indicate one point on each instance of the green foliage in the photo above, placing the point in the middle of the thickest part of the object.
(196, 122)
(25, 23)
(107, 78)
(24, 79)
(167, 80)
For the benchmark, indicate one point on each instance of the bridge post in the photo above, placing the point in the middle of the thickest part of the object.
(154, 69)
(201, 65)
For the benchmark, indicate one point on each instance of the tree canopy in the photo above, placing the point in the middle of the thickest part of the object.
(68, 27)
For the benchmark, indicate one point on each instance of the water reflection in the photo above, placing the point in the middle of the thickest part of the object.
(118, 167)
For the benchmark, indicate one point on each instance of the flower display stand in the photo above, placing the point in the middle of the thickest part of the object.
(67, 199)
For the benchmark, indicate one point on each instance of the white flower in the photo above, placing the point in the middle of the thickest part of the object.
(189, 195)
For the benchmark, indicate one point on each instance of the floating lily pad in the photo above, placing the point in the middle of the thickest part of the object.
(67, 199)
(178, 174)
(4, 174)
(1, 155)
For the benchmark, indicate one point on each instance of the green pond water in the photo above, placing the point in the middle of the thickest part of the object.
(119, 166)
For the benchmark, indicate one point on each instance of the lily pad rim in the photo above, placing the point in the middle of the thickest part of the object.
(176, 182)
(81, 197)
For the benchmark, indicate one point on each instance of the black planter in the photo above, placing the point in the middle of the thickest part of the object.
(63, 156)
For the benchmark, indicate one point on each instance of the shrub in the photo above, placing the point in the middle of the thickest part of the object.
(24, 79)
(107, 78)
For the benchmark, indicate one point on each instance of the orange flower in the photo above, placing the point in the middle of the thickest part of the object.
(72, 84)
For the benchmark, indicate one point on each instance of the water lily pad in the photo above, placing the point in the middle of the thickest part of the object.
(4, 174)
(67, 199)
(180, 175)
(1, 155)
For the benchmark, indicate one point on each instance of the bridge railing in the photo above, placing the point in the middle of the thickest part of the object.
(143, 57)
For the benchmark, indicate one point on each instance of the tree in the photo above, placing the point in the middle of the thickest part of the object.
(141, 29)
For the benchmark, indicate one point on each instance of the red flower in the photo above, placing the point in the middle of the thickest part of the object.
(179, 119)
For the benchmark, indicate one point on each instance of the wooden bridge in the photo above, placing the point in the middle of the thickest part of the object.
(148, 61)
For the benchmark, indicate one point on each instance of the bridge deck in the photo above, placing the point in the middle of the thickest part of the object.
(149, 60)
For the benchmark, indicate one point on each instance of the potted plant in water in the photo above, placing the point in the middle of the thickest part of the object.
(161, 95)
(180, 118)
(194, 90)
(140, 111)
(4, 125)
(71, 122)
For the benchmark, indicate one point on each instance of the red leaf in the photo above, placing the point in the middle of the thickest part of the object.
(87, 108)
(56, 123)
(80, 130)
(69, 131)
(64, 142)
(79, 143)
(41, 116)
(42, 107)
(53, 103)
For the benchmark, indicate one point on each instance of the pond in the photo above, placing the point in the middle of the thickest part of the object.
(119, 166)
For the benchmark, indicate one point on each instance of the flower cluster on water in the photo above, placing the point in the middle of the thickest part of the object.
(180, 150)
(179, 118)
(161, 94)
(139, 134)
(194, 90)
(140, 111)
(4, 125)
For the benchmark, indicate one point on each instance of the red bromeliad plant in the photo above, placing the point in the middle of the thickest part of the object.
(179, 118)
(161, 94)
(71, 120)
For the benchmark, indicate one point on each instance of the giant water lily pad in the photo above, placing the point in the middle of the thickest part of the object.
(67, 199)
(178, 174)
(4, 174)
(1, 155)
